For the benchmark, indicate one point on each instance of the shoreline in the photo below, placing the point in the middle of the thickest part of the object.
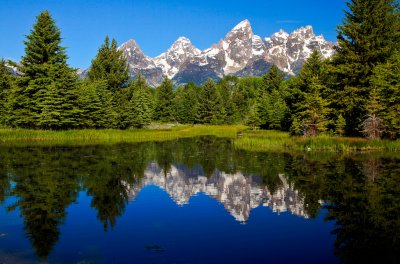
(251, 140)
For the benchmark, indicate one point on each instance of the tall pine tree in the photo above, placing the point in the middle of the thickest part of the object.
(386, 80)
(209, 104)
(270, 100)
(164, 101)
(226, 88)
(273, 79)
(311, 109)
(369, 35)
(97, 105)
(6, 83)
(186, 104)
(140, 106)
(109, 65)
(46, 93)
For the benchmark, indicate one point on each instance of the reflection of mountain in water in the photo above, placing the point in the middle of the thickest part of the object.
(237, 192)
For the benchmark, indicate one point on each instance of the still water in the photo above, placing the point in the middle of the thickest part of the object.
(196, 200)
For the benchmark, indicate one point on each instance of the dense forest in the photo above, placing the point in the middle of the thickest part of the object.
(356, 92)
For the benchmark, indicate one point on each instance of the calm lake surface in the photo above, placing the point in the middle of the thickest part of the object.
(196, 200)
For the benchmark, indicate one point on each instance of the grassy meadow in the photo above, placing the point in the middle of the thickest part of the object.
(243, 138)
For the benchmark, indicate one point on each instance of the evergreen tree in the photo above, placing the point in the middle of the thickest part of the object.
(219, 116)
(226, 88)
(186, 104)
(314, 69)
(90, 105)
(369, 35)
(272, 110)
(263, 108)
(340, 125)
(278, 111)
(311, 108)
(164, 101)
(313, 114)
(208, 103)
(96, 105)
(6, 83)
(270, 102)
(273, 79)
(386, 80)
(122, 98)
(140, 108)
(178, 109)
(59, 102)
(46, 93)
(110, 65)
(253, 119)
(296, 129)
(240, 103)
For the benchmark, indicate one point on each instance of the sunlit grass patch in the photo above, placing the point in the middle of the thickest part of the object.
(265, 140)
(99, 136)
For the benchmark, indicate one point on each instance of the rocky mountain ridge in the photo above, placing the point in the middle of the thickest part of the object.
(240, 53)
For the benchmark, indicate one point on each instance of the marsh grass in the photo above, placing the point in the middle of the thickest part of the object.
(106, 136)
(263, 140)
(258, 140)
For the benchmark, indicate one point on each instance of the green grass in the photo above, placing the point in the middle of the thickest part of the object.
(259, 140)
(275, 141)
(104, 136)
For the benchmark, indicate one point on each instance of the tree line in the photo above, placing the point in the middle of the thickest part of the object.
(355, 92)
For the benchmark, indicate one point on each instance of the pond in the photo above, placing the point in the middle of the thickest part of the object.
(196, 200)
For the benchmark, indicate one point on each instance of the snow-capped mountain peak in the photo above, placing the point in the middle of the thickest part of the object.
(242, 25)
(305, 32)
(240, 53)
(278, 37)
(241, 30)
(171, 60)
(237, 47)
(135, 56)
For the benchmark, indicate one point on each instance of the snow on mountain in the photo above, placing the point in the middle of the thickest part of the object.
(240, 53)
(137, 60)
(290, 51)
(171, 60)
(237, 47)
(258, 46)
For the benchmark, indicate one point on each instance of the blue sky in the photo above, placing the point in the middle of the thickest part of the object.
(156, 24)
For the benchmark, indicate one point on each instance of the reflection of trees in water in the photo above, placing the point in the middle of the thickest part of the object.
(308, 177)
(362, 194)
(44, 188)
(5, 186)
(370, 167)
(367, 212)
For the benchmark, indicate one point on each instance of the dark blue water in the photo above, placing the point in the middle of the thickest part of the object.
(185, 202)
(154, 229)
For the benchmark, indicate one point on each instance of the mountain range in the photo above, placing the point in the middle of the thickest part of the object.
(240, 53)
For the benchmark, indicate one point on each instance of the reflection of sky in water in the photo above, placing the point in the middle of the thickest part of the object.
(154, 229)
(160, 204)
